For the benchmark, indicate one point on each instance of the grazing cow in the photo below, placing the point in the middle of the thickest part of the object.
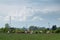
(41, 32)
(48, 32)
(28, 32)
(8, 32)
(31, 32)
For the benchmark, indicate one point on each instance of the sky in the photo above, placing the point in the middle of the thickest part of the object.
(25, 13)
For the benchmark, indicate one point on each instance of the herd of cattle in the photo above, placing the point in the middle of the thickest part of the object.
(30, 32)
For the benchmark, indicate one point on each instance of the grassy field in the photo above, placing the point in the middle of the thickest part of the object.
(4, 36)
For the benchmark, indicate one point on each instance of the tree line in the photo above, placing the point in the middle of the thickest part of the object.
(31, 29)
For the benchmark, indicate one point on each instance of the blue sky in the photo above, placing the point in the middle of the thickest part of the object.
(30, 12)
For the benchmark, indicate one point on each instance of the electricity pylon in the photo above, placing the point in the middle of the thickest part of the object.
(10, 20)
(48, 24)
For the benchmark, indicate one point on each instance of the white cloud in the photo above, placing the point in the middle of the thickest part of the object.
(14, 18)
(23, 11)
(58, 18)
(37, 18)
(47, 9)
(1, 18)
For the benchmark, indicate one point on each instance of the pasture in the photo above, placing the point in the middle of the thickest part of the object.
(14, 36)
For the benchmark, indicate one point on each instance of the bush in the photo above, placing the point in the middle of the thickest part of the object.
(57, 31)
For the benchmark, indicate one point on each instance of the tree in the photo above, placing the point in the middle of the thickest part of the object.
(54, 27)
(33, 28)
(7, 25)
(6, 29)
(24, 29)
(1, 29)
(42, 28)
(57, 30)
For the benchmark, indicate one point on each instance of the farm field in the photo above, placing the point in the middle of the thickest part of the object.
(4, 36)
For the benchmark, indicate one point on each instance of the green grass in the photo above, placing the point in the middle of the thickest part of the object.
(4, 36)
